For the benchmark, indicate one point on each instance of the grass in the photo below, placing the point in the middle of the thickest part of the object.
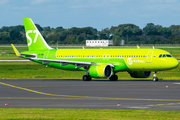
(97, 114)
(34, 70)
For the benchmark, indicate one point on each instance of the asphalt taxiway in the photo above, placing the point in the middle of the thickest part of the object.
(103, 94)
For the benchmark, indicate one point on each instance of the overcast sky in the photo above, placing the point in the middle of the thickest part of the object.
(99, 14)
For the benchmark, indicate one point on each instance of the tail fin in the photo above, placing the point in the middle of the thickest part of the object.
(34, 38)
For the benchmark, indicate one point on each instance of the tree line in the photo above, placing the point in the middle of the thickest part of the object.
(130, 33)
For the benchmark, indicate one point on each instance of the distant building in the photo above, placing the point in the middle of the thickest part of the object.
(94, 43)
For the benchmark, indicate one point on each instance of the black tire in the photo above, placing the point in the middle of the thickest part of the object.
(155, 79)
(113, 78)
(87, 78)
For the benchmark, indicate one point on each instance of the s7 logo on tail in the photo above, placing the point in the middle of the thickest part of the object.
(29, 38)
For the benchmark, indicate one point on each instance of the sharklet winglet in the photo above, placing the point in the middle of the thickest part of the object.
(16, 51)
(138, 47)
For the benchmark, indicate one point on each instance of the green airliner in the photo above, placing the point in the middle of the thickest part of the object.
(98, 63)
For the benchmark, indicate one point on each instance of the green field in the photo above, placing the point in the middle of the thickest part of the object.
(34, 70)
(93, 114)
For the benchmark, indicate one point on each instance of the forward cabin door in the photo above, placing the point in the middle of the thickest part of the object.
(149, 56)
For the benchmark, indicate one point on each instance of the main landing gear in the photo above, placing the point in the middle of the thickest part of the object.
(113, 77)
(155, 78)
(87, 78)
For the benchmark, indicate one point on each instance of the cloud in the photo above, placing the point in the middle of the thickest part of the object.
(163, 5)
(21, 8)
(163, 1)
(37, 2)
(3, 2)
(95, 3)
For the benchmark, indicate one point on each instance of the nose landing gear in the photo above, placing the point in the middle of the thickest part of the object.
(155, 78)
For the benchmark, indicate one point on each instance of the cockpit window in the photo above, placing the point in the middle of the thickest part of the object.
(163, 55)
(160, 55)
(168, 55)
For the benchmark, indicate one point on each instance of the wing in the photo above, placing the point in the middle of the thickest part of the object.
(66, 62)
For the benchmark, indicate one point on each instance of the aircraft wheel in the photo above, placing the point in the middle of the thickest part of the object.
(155, 79)
(113, 78)
(87, 78)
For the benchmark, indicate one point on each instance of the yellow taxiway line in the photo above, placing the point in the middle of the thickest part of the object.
(80, 97)
(177, 83)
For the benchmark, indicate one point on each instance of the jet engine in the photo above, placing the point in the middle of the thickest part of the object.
(140, 74)
(100, 71)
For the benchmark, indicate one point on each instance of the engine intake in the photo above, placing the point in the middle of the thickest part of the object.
(100, 71)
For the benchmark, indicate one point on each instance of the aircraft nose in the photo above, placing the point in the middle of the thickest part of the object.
(174, 63)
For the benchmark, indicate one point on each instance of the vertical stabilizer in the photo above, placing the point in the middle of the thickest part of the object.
(34, 38)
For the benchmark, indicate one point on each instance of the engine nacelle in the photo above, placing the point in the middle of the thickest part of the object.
(140, 74)
(100, 71)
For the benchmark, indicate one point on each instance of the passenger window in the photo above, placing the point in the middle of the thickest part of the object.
(164, 55)
(160, 55)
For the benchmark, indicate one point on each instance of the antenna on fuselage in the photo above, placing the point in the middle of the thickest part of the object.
(153, 47)
(57, 44)
(83, 47)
